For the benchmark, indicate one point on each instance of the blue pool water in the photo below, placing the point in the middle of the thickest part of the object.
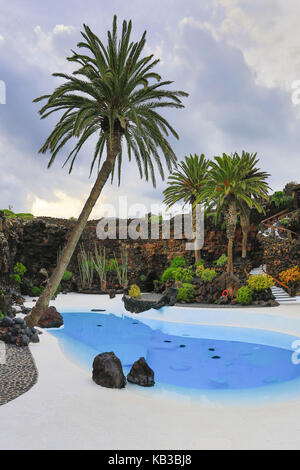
(189, 356)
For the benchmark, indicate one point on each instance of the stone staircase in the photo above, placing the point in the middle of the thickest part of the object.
(281, 296)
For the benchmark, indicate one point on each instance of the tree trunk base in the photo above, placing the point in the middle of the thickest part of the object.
(230, 282)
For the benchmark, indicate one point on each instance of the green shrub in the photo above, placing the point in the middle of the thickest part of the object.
(8, 213)
(37, 291)
(67, 276)
(11, 215)
(244, 296)
(285, 221)
(178, 262)
(184, 274)
(208, 275)
(134, 291)
(168, 275)
(24, 215)
(112, 265)
(20, 269)
(186, 293)
(17, 278)
(222, 260)
(281, 201)
(143, 278)
(199, 263)
(1, 314)
(157, 283)
(259, 282)
(199, 270)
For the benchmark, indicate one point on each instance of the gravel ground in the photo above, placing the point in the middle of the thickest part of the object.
(18, 374)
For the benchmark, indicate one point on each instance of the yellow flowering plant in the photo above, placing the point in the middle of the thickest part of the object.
(259, 282)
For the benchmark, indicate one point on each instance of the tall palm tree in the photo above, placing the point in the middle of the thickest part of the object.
(233, 184)
(184, 184)
(258, 190)
(115, 96)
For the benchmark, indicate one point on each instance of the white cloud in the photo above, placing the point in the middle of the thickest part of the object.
(61, 28)
(267, 33)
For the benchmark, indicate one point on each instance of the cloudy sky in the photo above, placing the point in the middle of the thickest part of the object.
(239, 60)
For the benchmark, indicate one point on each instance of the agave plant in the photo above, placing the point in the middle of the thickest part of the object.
(86, 267)
(122, 268)
(100, 266)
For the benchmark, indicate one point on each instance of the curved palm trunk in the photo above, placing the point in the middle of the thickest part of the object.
(231, 218)
(41, 305)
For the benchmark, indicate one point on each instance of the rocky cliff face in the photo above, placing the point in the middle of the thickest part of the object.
(280, 254)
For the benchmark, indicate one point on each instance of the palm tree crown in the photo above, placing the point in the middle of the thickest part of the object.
(185, 183)
(234, 183)
(114, 92)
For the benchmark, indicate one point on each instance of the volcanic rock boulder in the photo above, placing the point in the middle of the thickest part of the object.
(15, 331)
(141, 374)
(135, 305)
(107, 371)
(51, 319)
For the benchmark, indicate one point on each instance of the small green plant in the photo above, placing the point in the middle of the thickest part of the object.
(168, 275)
(285, 221)
(20, 269)
(199, 263)
(67, 276)
(112, 265)
(222, 260)
(244, 296)
(1, 314)
(37, 291)
(184, 274)
(208, 275)
(259, 282)
(143, 277)
(186, 293)
(8, 214)
(134, 291)
(17, 278)
(24, 215)
(178, 262)
(199, 270)
(157, 283)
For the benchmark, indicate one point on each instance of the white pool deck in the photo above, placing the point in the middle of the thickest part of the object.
(67, 410)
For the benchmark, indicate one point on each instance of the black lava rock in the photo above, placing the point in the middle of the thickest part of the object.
(134, 305)
(141, 374)
(107, 371)
(15, 331)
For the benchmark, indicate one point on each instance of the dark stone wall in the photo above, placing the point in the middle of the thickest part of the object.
(36, 243)
(280, 255)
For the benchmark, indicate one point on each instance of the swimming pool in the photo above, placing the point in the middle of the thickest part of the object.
(189, 359)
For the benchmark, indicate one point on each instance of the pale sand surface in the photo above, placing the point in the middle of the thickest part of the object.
(67, 410)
